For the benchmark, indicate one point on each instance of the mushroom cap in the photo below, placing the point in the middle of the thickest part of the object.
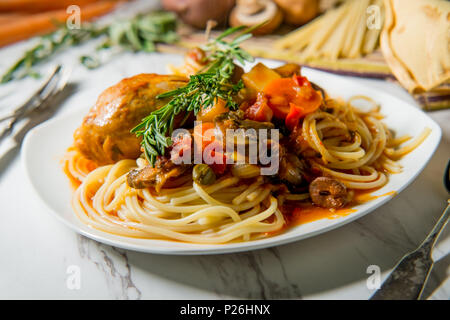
(253, 12)
(298, 12)
(197, 12)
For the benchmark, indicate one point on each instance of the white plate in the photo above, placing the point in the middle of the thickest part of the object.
(44, 147)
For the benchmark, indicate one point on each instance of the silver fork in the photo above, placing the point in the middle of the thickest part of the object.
(407, 281)
(33, 110)
(53, 85)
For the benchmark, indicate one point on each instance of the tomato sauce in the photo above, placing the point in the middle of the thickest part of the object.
(300, 213)
(74, 182)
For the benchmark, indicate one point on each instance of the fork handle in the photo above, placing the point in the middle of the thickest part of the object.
(437, 229)
(8, 116)
(6, 146)
(408, 279)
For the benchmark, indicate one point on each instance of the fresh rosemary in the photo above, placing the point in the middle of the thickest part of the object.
(139, 33)
(47, 46)
(201, 92)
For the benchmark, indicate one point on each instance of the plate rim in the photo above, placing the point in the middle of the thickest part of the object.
(217, 248)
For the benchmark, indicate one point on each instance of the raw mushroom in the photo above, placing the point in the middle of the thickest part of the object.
(253, 12)
(298, 12)
(197, 12)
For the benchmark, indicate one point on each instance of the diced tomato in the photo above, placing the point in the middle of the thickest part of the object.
(213, 156)
(216, 160)
(292, 98)
(260, 110)
(182, 144)
(204, 139)
(301, 81)
(293, 117)
(311, 102)
(219, 168)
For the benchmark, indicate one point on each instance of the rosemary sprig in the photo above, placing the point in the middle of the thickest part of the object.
(47, 46)
(139, 33)
(143, 32)
(201, 92)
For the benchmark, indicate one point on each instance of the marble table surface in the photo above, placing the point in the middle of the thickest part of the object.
(39, 255)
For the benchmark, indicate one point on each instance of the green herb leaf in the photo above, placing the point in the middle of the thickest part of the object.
(201, 92)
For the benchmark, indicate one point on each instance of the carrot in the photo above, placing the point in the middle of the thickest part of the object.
(292, 98)
(10, 17)
(208, 114)
(42, 23)
(39, 5)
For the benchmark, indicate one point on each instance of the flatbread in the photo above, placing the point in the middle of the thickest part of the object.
(415, 42)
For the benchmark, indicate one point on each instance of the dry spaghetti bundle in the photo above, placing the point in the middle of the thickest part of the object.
(343, 32)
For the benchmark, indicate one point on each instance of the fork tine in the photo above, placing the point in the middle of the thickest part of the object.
(48, 89)
(57, 88)
(43, 89)
(54, 73)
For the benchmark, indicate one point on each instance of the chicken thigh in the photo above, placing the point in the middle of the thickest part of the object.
(104, 135)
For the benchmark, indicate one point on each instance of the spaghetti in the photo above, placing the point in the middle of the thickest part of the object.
(235, 209)
(216, 214)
